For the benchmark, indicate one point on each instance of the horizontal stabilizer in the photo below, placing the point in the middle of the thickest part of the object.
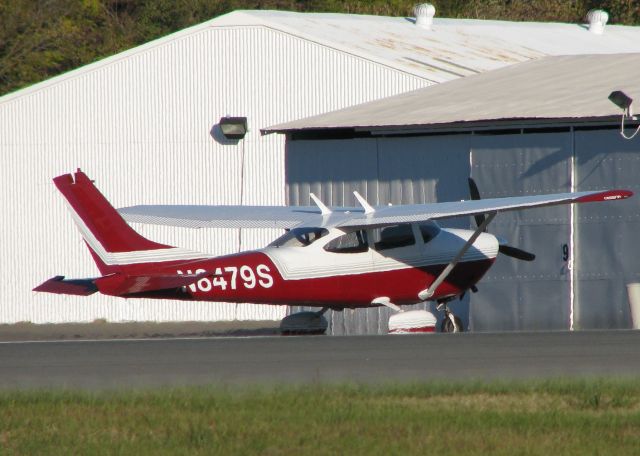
(58, 285)
(125, 284)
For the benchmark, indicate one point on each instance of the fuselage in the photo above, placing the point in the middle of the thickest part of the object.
(341, 269)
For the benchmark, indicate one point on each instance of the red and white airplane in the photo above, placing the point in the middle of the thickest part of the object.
(332, 258)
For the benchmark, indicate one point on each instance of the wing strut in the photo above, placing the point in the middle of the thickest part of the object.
(426, 294)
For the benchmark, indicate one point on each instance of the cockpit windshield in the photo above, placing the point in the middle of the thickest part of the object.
(299, 237)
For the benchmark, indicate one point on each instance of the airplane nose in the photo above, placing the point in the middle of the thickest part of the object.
(485, 246)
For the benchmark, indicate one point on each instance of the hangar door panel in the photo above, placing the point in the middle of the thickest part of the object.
(332, 169)
(424, 170)
(520, 295)
(607, 246)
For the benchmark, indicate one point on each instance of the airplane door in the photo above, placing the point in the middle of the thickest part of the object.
(393, 247)
(349, 254)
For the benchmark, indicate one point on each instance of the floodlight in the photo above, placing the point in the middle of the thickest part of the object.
(622, 100)
(233, 127)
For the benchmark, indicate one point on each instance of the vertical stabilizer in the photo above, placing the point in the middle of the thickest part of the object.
(113, 243)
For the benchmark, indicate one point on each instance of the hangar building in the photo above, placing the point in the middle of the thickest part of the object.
(543, 126)
(144, 125)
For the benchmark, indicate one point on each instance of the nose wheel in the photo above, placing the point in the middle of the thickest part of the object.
(451, 323)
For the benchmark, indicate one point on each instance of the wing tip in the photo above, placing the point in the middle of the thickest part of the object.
(609, 195)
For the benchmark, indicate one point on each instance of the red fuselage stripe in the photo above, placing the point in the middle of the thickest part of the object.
(252, 277)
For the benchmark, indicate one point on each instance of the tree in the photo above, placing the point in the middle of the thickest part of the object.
(42, 38)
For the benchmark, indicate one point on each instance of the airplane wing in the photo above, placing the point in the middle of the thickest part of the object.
(283, 217)
(310, 216)
(391, 215)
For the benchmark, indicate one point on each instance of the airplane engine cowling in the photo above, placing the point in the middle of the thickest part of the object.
(303, 323)
(412, 322)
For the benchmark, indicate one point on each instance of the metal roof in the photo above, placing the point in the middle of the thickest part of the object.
(453, 48)
(553, 88)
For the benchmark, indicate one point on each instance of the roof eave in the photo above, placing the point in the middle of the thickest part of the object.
(481, 124)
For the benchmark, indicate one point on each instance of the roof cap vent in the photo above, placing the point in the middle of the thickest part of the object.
(424, 15)
(597, 20)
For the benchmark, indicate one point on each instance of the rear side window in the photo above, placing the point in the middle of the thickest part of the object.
(299, 237)
(429, 231)
(354, 242)
(392, 237)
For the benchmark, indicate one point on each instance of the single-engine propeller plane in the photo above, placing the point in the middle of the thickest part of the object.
(328, 257)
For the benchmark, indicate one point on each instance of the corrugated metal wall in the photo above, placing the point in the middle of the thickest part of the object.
(607, 252)
(514, 295)
(520, 295)
(142, 125)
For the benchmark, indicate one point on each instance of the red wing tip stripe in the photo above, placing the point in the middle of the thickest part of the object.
(611, 195)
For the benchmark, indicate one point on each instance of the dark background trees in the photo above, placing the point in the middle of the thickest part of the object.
(42, 38)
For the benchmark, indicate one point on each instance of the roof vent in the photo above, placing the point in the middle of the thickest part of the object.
(424, 15)
(597, 20)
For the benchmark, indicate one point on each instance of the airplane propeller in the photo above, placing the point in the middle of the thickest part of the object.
(503, 248)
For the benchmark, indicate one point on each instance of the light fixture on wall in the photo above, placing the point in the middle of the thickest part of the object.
(233, 127)
(624, 102)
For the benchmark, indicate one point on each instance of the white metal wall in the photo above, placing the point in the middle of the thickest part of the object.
(140, 125)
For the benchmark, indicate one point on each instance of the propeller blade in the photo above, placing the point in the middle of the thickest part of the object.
(473, 190)
(475, 195)
(505, 249)
(515, 252)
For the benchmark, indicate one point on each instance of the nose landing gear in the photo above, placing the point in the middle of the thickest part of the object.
(407, 321)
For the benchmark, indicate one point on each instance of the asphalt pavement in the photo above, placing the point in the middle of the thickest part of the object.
(106, 364)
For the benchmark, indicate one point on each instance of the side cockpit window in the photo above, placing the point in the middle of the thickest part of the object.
(392, 237)
(429, 230)
(299, 237)
(354, 242)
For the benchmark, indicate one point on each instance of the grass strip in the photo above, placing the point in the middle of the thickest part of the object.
(542, 417)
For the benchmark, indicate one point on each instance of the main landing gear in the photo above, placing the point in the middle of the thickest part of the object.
(304, 323)
(451, 323)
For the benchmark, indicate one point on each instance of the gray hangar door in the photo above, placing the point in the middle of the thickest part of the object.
(519, 295)
(384, 170)
(607, 248)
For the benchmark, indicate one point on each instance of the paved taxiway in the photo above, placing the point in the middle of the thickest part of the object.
(268, 360)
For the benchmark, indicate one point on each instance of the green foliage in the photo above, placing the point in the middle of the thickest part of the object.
(39, 39)
(541, 417)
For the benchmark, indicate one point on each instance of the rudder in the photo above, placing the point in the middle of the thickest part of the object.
(104, 230)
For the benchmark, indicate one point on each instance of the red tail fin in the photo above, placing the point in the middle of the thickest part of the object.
(104, 230)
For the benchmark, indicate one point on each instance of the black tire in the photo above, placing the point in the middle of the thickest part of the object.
(447, 325)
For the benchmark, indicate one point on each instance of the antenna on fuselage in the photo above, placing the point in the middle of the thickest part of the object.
(323, 209)
(368, 209)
